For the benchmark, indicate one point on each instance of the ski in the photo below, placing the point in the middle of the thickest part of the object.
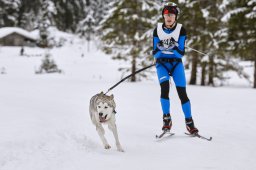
(164, 134)
(199, 136)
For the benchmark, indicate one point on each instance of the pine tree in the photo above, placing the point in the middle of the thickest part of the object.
(46, 21)
(28, 14)
(69, 14)
(194, 23)
(206, 33)
(95, 11)
(241, 28)
(20, 13)
(9, 12)
(86, 28)
(128, 29)
(100, 8)
(213, 41)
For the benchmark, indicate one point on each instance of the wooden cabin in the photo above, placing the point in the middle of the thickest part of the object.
(14, 36)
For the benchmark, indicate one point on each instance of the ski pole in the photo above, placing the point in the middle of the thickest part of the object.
(197, 51)
(111, 88)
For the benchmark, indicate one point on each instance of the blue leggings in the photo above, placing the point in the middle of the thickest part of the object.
(179, 79)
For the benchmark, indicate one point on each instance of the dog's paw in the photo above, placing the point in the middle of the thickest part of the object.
(107, 146)
(120, 149)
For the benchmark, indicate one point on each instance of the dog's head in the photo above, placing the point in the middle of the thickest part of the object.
(105, 106)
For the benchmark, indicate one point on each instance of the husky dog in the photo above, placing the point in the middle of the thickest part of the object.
(102, 111)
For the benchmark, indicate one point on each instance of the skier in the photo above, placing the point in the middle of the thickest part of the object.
(22, 51)
(168, 48)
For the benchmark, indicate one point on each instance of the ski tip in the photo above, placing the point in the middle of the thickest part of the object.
(187, 133)
(208, 139)
(165, 134)
(158, 136)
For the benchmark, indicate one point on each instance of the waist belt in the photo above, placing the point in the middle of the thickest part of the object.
(168, 60)
(162, 61)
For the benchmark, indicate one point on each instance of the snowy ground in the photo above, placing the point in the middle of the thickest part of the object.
(45, 125)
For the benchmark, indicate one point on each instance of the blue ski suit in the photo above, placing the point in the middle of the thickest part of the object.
(171, 65)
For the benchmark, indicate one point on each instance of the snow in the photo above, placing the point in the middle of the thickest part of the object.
(54, 34)
(251, 2)
(145, 6)
(45, 122)
(224, 4)
(4, 31)
(205, 13)
(227, 16)
(252, 14)
(51, 7)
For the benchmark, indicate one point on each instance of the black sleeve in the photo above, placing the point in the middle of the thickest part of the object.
(155, 33)
(183, 31)
(155, 50)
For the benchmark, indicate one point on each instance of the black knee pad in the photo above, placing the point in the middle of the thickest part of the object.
(182, 94)
(165, 86)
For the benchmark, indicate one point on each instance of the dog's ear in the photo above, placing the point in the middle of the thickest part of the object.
(111, 96)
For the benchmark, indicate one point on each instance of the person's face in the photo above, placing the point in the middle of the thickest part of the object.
(169, 19)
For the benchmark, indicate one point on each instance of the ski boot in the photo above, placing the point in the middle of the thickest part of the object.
(167, 123)
(190, 126)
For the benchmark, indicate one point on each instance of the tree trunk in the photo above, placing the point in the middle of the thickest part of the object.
(204, 47)
(254, 84)
(88, 3)
(211, 70)
(194, 69)
(20, 16)
(203, 74)
(133, 78)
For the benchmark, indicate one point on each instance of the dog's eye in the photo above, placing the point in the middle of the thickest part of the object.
(105, 107)
(98, 106)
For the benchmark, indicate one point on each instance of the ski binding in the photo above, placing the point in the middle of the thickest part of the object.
(164, 134)
(199, 136)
